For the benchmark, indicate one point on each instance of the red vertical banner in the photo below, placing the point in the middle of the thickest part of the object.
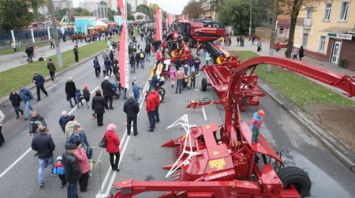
(158, 28)
(123, 50)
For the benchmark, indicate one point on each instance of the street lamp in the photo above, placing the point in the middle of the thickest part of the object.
(250, 17)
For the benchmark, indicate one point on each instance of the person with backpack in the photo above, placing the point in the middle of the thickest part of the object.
(97, 66)
(59, 170)
(72, 170)
(142, 57)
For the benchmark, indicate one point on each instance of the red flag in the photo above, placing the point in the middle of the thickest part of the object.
(158, 29)
(123, 50)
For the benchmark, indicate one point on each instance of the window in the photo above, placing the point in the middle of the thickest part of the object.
(344, 10)
(327, 10)
(308, 13)
(321, 43)
(305, 40)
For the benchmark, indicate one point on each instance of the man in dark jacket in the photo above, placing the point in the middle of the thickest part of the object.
(70, 89)
(131, 108)
(51, 68)
(132, 62)
(97, 66)
(72, 170)
(138, 59)
(76, 53)
(108, 67)
(16, 102)
(44, 146)
(108, 91)
(26, 96)
(98, 105)
(35, 121)
(39, 81)
(63, 120)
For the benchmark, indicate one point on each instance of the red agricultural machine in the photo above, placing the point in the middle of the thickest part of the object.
(220, 160)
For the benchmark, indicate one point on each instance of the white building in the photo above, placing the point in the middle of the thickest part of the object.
(62, 4)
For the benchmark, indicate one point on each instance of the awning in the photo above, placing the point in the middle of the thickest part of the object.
(340, 33)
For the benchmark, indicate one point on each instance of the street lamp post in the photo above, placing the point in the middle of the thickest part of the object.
(273, 33)
(55, 33)
(250, 17)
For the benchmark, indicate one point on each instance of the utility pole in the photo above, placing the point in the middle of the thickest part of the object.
(273, 33)
(250, 17)
(55, 33)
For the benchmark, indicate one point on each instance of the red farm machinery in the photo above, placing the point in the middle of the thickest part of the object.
(220, 160)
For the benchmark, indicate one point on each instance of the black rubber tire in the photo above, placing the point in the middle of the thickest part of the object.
(161, 91)
(204, 84)
(161, 98)
(295, 176)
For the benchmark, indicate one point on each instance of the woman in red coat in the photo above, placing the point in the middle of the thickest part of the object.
(113, 146)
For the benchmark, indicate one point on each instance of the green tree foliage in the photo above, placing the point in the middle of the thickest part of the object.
(193, 9)
(146, 10)
(59, 14)
(15, 14)
(129, 12)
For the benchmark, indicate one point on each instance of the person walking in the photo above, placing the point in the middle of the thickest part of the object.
(132, 62)
(192, 79)
(2, 118)
(70, 89)
(197, 63)
(76, 53)
(84, 165)
(63, 120)
(259, 45)
(138, 59)
(97, 66)
(98, 105)
(156, 97)
(16, 102)
(112, 146)
(136, 90)
(108, 67)
(59, 170)
(172, 75)
(44, 146)
(147, 51)
(86, 95)
(107, 91)
(255, 124)
(29, 54)
(72, 170)
(26, 96)
(69, 127)
(79, 135)
(301, 53)
(131, 108)
(150, 108)
(35, 121)
(207, 57)
(39, 82)
(141, 58)
(180, 75)
(51, 68)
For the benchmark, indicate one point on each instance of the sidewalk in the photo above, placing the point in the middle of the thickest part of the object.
(265, 52)
(13, 60)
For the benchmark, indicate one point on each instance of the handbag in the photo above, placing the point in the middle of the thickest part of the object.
(103, 142)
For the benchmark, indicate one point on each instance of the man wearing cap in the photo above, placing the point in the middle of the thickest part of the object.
(72, 170)
(63, 120)
(131, 108)
(255, 124)
(107, 91)
(44, 146)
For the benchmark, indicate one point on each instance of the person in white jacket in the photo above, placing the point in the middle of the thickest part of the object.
(2, 118)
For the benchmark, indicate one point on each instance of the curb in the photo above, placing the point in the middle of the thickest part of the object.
(335, 146)
(70, 67)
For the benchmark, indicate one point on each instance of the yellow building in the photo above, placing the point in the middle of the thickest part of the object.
(327, 32)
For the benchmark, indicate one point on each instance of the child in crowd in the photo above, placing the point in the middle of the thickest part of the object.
(79, 97)
(86, 95)
(59, 170)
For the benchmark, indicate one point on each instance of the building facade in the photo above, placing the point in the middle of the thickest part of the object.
(62, 4)
(327, 32)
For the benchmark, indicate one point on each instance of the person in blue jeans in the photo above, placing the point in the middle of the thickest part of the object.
(16, 102)
(136, 89)
(39, 82)
(44, 146)
(26, 96)
(72, 170)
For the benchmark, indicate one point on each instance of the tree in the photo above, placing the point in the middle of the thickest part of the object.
(15, 14)
(146, 10)
(193, 9)
(129, 12)
(292, 8)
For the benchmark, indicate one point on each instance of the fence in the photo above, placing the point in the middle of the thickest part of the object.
(23, 37)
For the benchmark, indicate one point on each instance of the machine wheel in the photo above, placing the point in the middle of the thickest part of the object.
(204, 84)
(297, 177)
(161, 93)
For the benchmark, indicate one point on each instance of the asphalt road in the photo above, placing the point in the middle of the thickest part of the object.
(141, 156)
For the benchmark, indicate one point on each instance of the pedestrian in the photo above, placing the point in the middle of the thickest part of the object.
(158, 55)
(255, 124)
(35, 121)
(44, 146)
(59, 170)
(113, 146)
(197, 63)
(142, 57)
(63, 120)
(198, 48)
(97, 66)
(138, 59)
(295, 53)
(2, 118)
(132, 62)
(79, 97)
(26, 96)
(108, 67)
(180, 75)
(147, 51)
(301, 53)
(70, 89)
(69, 127)
(16, 102)
(136, 90)
(76, 53)
(156, 97)
(86, 95)
(111, 55)
(98, 105)
(131, 108)
(150, 108)
(84, 166)
(39, 82)
(51, 68)
(79, 135)
(72, 170)
(107, 91)
(207, 57)
(172, 75)
(155, 81)
(51, 44)
(192, 79)
(29, 54)
(259, 44)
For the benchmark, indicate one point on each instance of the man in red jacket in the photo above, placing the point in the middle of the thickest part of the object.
(156, 97)
(150, 107)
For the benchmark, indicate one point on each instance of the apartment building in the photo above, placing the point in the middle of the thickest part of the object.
(327, 32)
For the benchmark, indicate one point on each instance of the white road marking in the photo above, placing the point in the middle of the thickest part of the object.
(204, 113)
(29, 149)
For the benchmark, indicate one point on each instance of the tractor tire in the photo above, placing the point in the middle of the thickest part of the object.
(204, 84)
(161, 94)
(295, 176)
